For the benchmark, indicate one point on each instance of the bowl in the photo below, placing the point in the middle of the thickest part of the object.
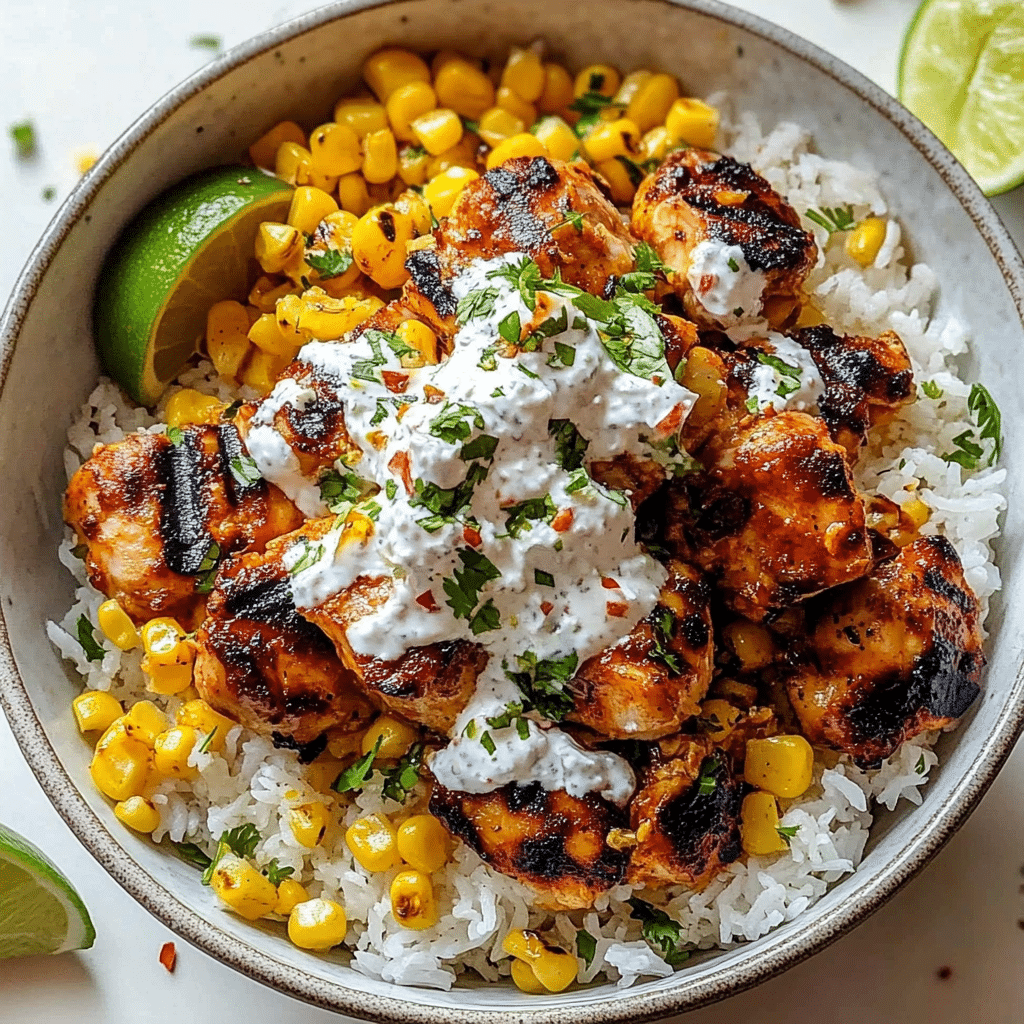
(49, 367)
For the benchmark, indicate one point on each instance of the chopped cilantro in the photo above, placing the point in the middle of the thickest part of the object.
(734, 266)
(629, 333)
(489, 358)
(208, 739)
(175, 435)
(192, 855)
(543, 682)
(446, 504)
(751, 404)
(87, 638)
(523, 514)
(487, 743)
(498, 393)
(578, 479)
(372, 510)
(778, 365)
(663, 628)
(931, 389)
(633, 169)
(339, 492)
(787, 832)
(277, 874)
(573, 217)
(391, 489)
(968, 453)
(832, 220)
(463, 588)
(481, 447)
(486, 619)
(332, 263)
(24, 136)
(660, 931)
(245, 471)
(706, 781)
(368, 369)
(510, 328)
(586, 946)
(207, 571)
(542, 578)
(311, 554)
(527, 371)
(205, 42)
(241, 841)
(356, 774)
(512, 711)
(456, 422)
(229, 413)
(570, 445)
(476, 304)
(920, 767)
(49, 194)
(470, 730)
(400, 779)
(988, 417)
(591, 105)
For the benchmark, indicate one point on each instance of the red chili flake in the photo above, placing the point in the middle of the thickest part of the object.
(432, 395)
(945, 973)
(395, 382)
(546, 606)
(471, 535)
(608, 583)
(706, 283)
(399, 465)
(168, 956)
(563, 520)
(402, 410)
(426, 600)
(670, 423)
(617, 609)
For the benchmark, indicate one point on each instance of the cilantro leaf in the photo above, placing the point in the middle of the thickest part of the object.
(87, 638)
(931, 389)
(245, 471)
(510, 328)
(988, 417)
(481, 447)
(570, 445)
(356, 774)
(663, 628)
(512, 711)
(402, 778)
(486, 619)
(447, 504)
(242, 840)
(311, 554)
(277, 874)
(586, 946)
(969, 452)
(542, 578)
(707, 781)
(23, 135)
(175, 435)
(524, 276)
(205, 42)
(456, 423)
(192, 854)
(391, 489)
(779, 365)
(487, 743)
(340, 491)
(787, 832)
(463, 588)
(475, 305)
(832, 220)
(660, 931)
(522, 514)
(206, 574)
(544, 681)
(331, 263)
(591, 105)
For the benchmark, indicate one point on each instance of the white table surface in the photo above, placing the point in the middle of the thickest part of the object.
(82, 71)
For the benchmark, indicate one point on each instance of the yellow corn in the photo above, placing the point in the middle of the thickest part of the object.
(188, 406)
(266, 335)
(759, 825)
(169, 657)
(121, 765)
(309, 206)
(352, 194)
(263, 152)
(498, 124)
(378, 245)
(601, 78)
(198, 714)
(96, 710)
(388, 69)
(248, 893)
(463, 87)
(783, 765)
(553, 967)
(144, 721)
(171, 751)
(437, 130)
(407, 103)
(866, 239)
(412, 900)
(719, 718)
(523, 144)
(412, 164)
(396, 737)
(227, 324)
(317, 924)
(415, 207)
(137, 813)
(705, 375)
(918, 512)
(380, 159)
(462, 154)
(653, 98)
(508, 99)
(334, 150)
(525, 980)
(373, 843)
(524, 74)
(308, 823)
(289, 895)
(325, 318)
(559, 139)
(361, 115)
(444, 57)
(293, 163)
(115, 623)
(442, 191)
(611, 139)
(278, 246)
(752, 644)
(419, 336)
(621, 184)
(692, 121)
(655, 144)
(262, 370)
(423, 843)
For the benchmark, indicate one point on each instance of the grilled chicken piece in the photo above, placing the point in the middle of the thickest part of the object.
(698, 197)
(262, 664)
(652, 680)
(522, 206)
(892, 655)
(152, 512)
(774, 514)
(555, 843)
(686, 816)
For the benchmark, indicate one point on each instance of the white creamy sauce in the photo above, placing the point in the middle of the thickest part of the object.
(789, 379)
(724, 283)
(555, 580)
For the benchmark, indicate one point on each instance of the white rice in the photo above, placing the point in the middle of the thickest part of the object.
(252, 782)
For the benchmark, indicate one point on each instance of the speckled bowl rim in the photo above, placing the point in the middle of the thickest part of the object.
(871, 892)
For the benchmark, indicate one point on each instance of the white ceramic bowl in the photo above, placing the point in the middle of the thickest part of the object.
(48, 368)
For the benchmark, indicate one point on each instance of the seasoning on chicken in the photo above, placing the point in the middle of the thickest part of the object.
(734, 246)
(262, 664)
(686, 816)
(774, 515)
(652, 680)
(890, 656)
(156, 514)
(553, 842)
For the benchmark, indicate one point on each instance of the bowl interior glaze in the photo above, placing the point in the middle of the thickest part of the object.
(298, 71)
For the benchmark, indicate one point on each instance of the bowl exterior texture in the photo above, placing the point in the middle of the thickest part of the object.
(48, 368)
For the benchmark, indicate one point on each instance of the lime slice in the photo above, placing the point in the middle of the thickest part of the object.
(39, 910)
(189, 248)
(962, 72)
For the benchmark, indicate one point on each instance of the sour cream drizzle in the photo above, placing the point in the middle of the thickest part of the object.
(724, 283)
(789, 379)
(539, 565)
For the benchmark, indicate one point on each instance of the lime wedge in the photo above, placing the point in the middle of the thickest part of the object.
(189, 248)
(39, 910)
(962, 72)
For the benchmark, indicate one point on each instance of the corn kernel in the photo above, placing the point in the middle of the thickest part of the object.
(373, 843)
(137, 813)
(396, 737)
(692, 121)
(442, 191)
(378, 245)
(263, 152)
(719, 718)
(352, 194)
(523, 144)
(361, 115)
(462, 154)
(267, 336)
(407, 103)
(558, 89)
(655, 144)
(423, 843)
(498, 124)
(198, 714)
(227, 324)
(865, 241)
(248, 893)
(619, 181)
(308, 823)
(650, 103)
(705, 374)
(464, 88)
(380, 160)
(419, 336)
(144, 721)
(438, 130)
(751, 643)
(631, 85)
(115, 623)
(414, 206)
(412, 164)
(611, 139)
(412, 900)
(317, 924)
(121, 765)
(169, 657)
(309, 206)
(334, 149)
(559, 139)
(262, 370)
(289, 895)
(552, 967)
(599, 78)
(278, 246)
(782, 765)
(390, 68)
(524, 73)
(171, 751)
(759, 825)
(96, 710)
(293, 163)
(508, 99)
(525, 980)
(444, 57)
(918, 512)
(186, 407)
